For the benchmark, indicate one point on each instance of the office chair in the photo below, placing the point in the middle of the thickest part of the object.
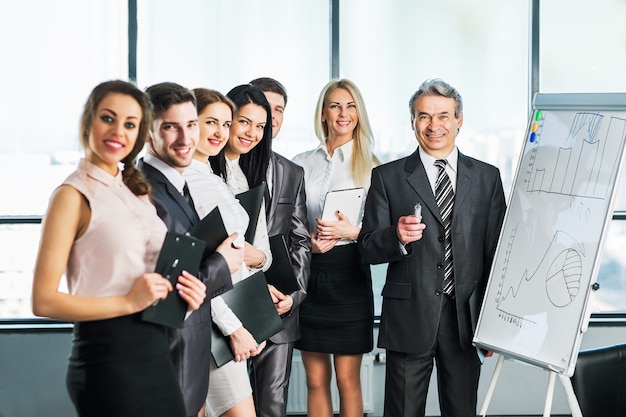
(599, 381)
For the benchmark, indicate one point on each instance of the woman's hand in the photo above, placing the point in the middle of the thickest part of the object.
(192, 290)
(321, 245)
(252, 256)
(243, 344)
(337, 229)
(147, 289)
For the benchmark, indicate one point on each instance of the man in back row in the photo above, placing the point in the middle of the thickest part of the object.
(173, 138)
(286, 215)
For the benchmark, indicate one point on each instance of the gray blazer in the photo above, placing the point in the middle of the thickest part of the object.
(190, 346)
(412, 294)
(287, 215)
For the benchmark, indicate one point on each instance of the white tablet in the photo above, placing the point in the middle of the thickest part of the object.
(349, 202)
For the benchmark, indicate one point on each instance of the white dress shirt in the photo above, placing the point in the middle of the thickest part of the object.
(324, 173)
(209, 191)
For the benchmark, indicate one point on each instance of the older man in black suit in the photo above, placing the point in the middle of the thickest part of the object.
(173, 139)
(286, 214)
(439, 257)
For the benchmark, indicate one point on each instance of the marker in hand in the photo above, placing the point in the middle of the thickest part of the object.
(418, 211)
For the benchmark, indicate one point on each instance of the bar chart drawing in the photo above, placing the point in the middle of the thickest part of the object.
(583, 161)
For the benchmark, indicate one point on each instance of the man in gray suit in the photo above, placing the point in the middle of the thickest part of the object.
(173, 139)
(452, 237)
(286, 214)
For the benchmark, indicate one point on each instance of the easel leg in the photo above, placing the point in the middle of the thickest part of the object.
(571, 396)
(492, 385)
(548, 406)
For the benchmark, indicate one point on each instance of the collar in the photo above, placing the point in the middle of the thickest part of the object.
(205, 168)
(343, 152)
(99, 174)
(168, 171)
(452, 158)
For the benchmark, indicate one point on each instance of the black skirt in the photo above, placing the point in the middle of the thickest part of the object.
(121, 367)
(338, 312)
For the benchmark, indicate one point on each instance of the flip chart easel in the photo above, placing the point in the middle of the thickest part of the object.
(537, 302)
(565, 381)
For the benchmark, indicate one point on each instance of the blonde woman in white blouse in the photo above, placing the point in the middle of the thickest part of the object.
(336, 317)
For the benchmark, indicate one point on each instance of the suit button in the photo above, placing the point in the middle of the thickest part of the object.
(441, 238)
(437, 293)
(439, 265)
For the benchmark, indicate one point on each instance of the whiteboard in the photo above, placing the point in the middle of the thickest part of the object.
(536, 304)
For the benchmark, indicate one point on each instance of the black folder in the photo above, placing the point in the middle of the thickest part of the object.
(281, 273)
(251, 302)
(251, 201)
(178, 253)
(211, 231)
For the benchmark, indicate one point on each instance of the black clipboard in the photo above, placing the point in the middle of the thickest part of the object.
(281, 273)
(178, 253)
(211, 231)
(251, 302)
(251, 201)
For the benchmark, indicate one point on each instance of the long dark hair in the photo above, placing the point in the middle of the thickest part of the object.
(254, 163)
(133, 179)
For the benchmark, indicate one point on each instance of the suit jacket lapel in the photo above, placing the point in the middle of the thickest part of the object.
(180, 200)
(277, 180)
(171, 190)
(418, 180)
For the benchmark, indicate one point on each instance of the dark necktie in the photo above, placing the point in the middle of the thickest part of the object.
(187, 196)
(444, 194)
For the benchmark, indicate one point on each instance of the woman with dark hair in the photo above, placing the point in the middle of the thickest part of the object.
(103, 233)
(242, 163)
(250, 146)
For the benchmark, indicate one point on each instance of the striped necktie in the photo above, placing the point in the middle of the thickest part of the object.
(444, 194)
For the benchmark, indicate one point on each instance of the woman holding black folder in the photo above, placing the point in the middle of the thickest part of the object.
(229, 382)
(103, 233)
(242, 164)
(336, 317)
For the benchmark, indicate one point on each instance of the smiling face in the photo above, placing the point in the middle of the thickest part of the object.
(340, 114)
(246, 131)
(114, 131)
(174, 135)
(215, 121)
(435, 124)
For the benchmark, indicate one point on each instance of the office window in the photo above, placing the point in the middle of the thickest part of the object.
(479, 47)
(53, 53)
(223, 43)
(584, 51)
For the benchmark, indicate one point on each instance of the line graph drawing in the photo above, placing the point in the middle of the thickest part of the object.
(559, 270)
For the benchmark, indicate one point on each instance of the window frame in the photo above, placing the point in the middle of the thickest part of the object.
(36, 324)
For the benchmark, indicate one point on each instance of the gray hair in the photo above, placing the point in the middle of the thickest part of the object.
(437, 87)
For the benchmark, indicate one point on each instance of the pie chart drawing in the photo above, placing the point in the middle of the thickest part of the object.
(563, 278)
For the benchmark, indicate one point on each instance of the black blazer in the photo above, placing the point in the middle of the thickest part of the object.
(412, 294)
(190, 346)
(287, 215)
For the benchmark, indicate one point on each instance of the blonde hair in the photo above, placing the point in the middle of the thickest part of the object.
(363, 158)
